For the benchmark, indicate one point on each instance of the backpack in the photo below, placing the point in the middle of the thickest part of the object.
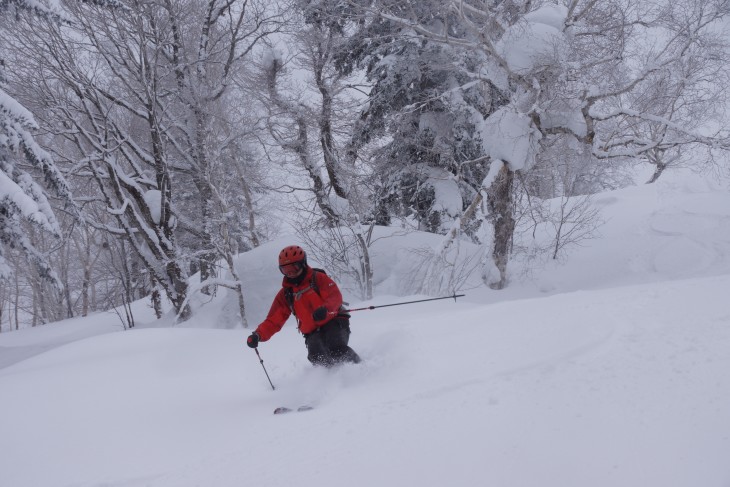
(289, 294)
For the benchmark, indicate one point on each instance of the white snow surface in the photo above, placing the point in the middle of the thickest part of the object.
(611, 369)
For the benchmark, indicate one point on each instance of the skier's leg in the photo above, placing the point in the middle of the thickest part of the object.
(336, 337)
(317, 351)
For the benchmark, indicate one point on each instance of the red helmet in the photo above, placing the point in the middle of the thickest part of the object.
(292, 254)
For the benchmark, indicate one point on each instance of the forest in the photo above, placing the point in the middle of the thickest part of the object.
(146, 143)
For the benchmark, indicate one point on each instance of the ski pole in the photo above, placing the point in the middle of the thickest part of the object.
(262, 365)
(406, 302)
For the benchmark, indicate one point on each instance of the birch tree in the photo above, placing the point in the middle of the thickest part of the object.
(141, 94)
(309, 125)
(207, 45)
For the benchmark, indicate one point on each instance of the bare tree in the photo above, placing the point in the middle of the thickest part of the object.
(341, 237)
(206, 47)
(141, 96)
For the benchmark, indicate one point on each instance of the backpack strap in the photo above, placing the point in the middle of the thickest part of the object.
(289, 294)
(289, 297)
(313, 282)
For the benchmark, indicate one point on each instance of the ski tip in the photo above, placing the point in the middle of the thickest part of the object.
(284, 409)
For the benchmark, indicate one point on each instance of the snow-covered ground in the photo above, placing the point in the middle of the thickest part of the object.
(611, 369)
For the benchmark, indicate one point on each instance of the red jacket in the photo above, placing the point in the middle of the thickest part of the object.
(306, 300)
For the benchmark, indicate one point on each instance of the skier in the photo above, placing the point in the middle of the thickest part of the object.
(316, 302)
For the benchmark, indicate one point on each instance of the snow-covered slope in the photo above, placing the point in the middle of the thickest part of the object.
(610, 370)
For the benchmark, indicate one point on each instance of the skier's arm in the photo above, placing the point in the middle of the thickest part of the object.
(330, 294)
(278, 314)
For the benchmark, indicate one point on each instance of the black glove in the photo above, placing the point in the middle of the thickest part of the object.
(319, 313)
(253, 340)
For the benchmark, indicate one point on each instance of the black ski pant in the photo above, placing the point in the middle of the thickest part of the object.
(327, 345)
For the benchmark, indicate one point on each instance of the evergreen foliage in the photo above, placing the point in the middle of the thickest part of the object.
(424, 100)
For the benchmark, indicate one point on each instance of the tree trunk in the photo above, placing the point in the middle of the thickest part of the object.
(660, 167)
(248, 201)
(157, 302)
(501, 204)
(86, 280)
(178, 297)
(85, 290)
(367, 268)
(16, 308)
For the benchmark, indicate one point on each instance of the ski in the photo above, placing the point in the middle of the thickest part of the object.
(284, 409)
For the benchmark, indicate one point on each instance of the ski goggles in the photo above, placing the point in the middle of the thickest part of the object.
(291, 270)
